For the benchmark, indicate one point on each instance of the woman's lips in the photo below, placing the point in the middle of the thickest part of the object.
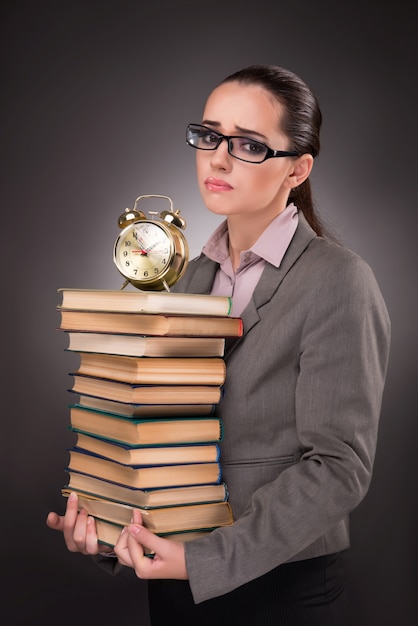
(215, 184)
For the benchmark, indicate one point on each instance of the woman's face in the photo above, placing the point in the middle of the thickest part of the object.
(232, 187)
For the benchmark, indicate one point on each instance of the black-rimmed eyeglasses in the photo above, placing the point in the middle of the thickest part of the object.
(242, 148)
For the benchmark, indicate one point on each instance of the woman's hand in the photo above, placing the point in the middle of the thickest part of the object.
(135, 541)
(78, 528)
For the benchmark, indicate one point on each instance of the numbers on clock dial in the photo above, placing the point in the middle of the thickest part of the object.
(145, 250)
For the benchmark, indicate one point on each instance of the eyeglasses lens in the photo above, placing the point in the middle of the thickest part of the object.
(242, 148)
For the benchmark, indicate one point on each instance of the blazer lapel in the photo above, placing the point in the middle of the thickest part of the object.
(202, 283)
(271, 279)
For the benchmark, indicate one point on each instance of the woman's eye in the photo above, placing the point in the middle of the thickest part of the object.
(210, 138)
(253, 146)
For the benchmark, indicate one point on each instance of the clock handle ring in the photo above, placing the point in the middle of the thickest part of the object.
(154, 196)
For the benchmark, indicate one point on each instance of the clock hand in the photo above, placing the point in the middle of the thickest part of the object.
(153, 246)
(139, 239)
(148, 251)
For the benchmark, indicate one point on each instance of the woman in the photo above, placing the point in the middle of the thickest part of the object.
(304, 384)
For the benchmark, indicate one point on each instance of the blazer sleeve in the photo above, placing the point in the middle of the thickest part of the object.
(342, 365)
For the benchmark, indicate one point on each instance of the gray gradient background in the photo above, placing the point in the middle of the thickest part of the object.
(96, 97)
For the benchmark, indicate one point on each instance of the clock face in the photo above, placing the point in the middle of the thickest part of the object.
(144, 251)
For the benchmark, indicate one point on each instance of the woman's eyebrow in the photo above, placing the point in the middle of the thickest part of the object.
(239, 129)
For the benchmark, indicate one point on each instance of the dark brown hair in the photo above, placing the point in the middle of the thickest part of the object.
(301, 122)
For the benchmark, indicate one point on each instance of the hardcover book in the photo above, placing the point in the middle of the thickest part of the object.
(153, 370)
(147, 455)
(145, 498)
(142, 345)
(126, 409)
(108, 534)
(146, 431)
(144, 301)
(150, 324)
(160, 520)
(146, 394)
(145, 477)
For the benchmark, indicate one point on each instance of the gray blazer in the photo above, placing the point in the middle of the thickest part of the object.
(300, 411)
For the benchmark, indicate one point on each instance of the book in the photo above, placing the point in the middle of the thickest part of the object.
(153, 370)
(151, 324)
(146, 431)
(108, 534)
(160, 520)
(147, 455)
(146, 394)
(145, 498)
(126, 409)
(142, 345)
(145, 477)
(151, 302)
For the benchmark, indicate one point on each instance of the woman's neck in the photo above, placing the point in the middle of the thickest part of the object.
(243, 232)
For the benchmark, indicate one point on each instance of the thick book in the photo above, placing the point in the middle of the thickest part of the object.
(144, 301)
(153, 370)
(146, 394)
(146, 431)
(147, 455)
(145, 498)
(162, 520)
(108, 534)
(151, 324)
(126, 409)
(142, 345)
(145, 477)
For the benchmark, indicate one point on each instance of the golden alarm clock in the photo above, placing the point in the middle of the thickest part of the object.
(152, 254)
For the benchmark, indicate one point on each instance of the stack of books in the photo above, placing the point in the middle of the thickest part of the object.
(151, 372)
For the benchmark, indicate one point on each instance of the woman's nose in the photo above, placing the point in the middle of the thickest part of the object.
(220, 158)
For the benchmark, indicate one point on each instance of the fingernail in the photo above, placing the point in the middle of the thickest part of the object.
(123, 530)
(72, 497)
(134, 529)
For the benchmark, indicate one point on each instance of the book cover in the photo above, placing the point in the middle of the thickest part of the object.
(144, 301)
(150, 324)
(145, 477)
(147, 455)
(145, 498)
(138, 345)
(153, 370)
(160, 520)
(108, 534)
(146, 431)
(146, 394)
(126, 409)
